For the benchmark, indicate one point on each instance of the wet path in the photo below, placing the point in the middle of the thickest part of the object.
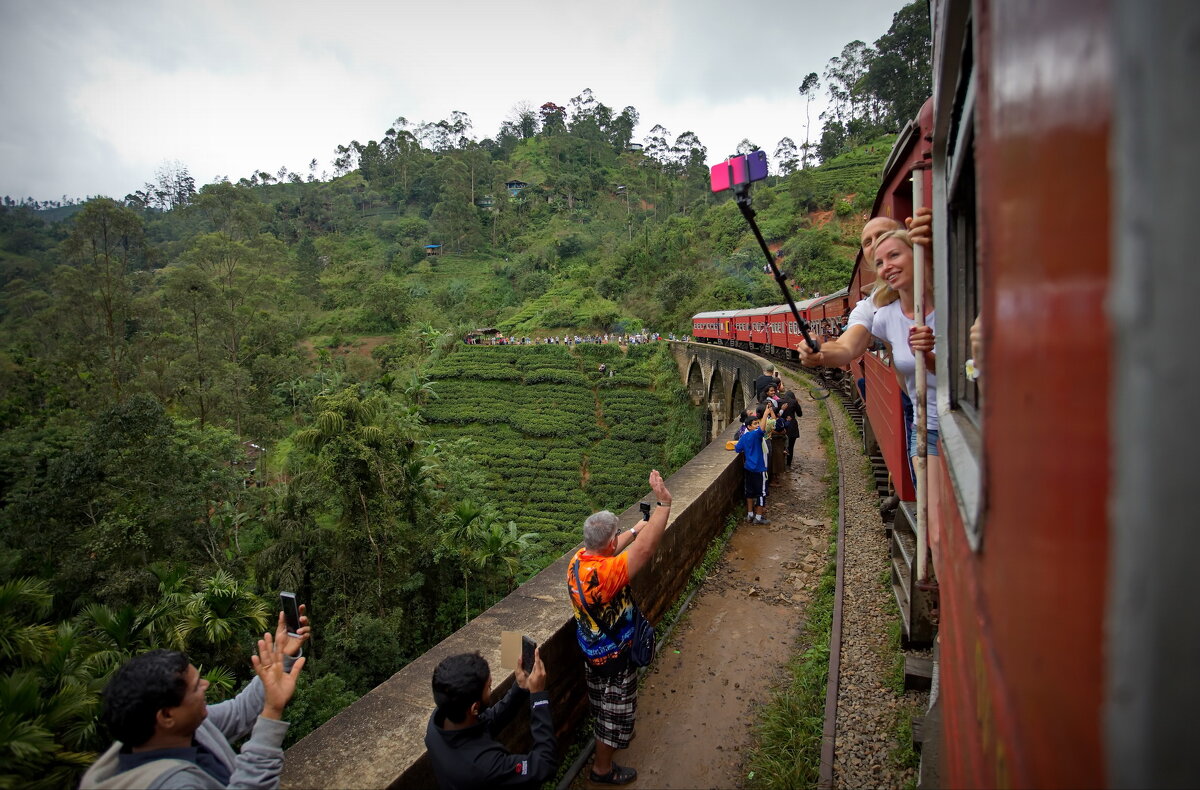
(698, 704)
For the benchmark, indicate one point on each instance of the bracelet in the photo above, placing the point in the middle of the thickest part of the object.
(633, 532)
(664, 504)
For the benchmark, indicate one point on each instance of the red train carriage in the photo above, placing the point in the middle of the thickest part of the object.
(758, 327)
(740, 336)
(825, 313)
(779, 322)
(713, 326)
(1062, 533)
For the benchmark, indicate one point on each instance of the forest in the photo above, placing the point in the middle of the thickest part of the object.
(211, 393)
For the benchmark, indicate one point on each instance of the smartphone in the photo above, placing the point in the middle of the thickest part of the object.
(737, 170)
(291, 612)
(645, 506)
(527, 648)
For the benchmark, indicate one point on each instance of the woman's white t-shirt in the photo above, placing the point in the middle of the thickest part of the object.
(891, 325)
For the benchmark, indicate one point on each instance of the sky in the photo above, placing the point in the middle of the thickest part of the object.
(96, 97)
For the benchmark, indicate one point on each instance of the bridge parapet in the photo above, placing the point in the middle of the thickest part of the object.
(378, 742)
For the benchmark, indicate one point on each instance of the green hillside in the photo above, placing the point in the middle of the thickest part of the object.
(554, 437)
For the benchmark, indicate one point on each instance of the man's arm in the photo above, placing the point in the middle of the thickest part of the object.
(236, 717)
(534, 768)
(650, 533)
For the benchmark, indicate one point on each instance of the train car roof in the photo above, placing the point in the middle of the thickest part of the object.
(832, 296)
(715, 314)
(750, 311)
(779, 308)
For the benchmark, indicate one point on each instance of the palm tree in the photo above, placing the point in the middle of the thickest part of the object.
(463, 525)
(501, 543)
(219, 615)
(21, 640)
(48, 692)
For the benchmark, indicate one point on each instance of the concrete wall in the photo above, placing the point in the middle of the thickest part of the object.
(719, 377)
(378, 742)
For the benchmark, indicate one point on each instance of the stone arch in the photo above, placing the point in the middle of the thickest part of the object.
(737, 401)
(695, 382)
(717, 402)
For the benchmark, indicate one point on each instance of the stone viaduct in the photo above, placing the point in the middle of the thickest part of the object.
(720, 378)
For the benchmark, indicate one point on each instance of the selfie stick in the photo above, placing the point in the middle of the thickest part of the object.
(741, 193)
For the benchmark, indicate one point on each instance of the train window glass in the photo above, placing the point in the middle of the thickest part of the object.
(963, 274)
(958, 282)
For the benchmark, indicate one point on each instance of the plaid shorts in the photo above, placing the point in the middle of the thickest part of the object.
(614, 704)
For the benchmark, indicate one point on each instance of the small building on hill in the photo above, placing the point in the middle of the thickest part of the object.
(514, 187)
(433, 249)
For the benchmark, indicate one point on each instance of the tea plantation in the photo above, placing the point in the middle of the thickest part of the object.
(558, 439)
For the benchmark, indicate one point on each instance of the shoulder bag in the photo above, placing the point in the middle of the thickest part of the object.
(641, 649)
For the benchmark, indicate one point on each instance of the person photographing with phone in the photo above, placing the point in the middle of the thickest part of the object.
(461, 732)
(606, 623)
(167, 736)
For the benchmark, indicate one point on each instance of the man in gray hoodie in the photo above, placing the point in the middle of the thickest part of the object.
(167, 736)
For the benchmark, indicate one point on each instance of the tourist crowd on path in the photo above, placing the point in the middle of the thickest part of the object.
(568, 340)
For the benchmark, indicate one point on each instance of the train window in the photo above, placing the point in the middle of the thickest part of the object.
(958, 282)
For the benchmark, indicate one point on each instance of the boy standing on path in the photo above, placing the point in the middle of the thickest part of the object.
(754, 460)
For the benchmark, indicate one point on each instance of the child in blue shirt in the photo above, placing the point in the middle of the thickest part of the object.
(752, 446)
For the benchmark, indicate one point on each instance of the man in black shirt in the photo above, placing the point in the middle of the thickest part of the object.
(767, 379)
(461, 731)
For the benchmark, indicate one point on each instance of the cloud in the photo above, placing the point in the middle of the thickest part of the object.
(98, 95)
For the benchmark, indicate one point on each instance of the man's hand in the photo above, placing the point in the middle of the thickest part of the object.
(534, 681)
(288, 644)
(278, 686)
(659, 487)
(920, 227)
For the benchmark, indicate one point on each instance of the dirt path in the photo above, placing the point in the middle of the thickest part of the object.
(698, 704)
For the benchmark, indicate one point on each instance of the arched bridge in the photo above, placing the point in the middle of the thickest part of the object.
(720, 378)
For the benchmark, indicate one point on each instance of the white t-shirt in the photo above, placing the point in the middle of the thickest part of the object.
(862, 314)
(892, 325)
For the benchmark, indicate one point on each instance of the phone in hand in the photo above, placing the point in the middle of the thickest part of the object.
(291, 612)
(527, 648)
(738, 170)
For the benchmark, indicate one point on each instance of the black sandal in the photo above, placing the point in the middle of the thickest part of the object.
(618, 775)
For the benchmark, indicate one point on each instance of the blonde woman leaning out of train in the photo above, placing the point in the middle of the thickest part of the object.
(894, 324)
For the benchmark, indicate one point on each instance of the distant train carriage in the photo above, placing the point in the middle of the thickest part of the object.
(741, 328)
(712, 326)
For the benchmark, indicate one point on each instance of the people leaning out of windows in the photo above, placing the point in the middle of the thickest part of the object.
(461, 732)
(894, 322)
(857, 337)
(166, 736)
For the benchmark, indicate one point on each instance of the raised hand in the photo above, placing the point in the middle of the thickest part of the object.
(920, 227)
(278, 686)
(288, 644)
(659, 487)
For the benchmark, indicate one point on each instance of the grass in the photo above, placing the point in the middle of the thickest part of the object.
(787, 753)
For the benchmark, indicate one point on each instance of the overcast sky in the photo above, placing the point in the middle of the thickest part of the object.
(96, 96)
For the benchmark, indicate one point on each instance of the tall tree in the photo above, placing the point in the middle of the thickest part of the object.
(807, 88)
(786, 156)
(105, 242)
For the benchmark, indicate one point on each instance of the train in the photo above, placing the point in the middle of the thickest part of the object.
(1057, 153)
(773, 329)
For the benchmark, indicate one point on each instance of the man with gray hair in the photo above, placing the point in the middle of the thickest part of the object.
(604, 567)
